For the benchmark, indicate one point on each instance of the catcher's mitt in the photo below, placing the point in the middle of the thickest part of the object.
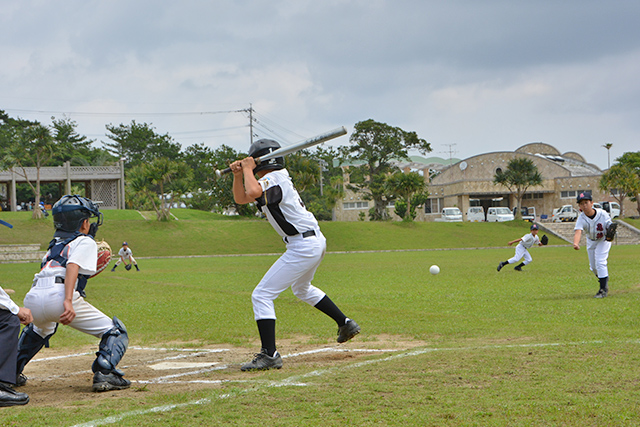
(127, 267)
(544, 240)
(611, 231)
(104, 256)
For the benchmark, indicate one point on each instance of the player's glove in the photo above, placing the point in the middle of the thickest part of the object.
(127, 267)
(611, 231)
(544, 240)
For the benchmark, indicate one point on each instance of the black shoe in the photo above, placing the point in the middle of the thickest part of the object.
(348, 331)
(21, 380)
(518, 267)
(111, 381)
(263, 361)
(502, 264)
(602, 293)
(10, 397)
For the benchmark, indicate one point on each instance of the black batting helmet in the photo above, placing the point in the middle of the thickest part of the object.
(263, 147)
(71, 210)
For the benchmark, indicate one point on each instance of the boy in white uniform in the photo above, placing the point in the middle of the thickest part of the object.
(126, 254)
(522, 250)
(55, 298)
(594, 223)
(277, 198)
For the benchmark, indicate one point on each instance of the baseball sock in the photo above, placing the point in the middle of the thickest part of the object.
(330, 309)
(267, 330)
(604, 282)
(136, 266)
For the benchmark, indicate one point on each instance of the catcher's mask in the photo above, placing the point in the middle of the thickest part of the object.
(71, 210)
(583, 195)
(263, 147)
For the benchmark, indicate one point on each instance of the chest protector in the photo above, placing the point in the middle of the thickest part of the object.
(58, 254)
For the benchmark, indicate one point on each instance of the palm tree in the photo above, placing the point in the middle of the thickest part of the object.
(608, 146)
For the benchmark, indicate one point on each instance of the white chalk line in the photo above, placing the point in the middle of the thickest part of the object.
(295, 380)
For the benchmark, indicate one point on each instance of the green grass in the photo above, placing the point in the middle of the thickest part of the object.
(501, 349)
(203, 233)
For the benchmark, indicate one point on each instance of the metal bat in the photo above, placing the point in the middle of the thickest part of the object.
(281, 152)
(6, 223)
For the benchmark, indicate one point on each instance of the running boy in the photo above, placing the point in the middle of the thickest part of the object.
(594, 223)
(54, 298)
(277, 198)
(522, 250)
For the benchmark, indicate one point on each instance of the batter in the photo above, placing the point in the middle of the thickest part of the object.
(54, 297)
(276, 197)
(594, 223)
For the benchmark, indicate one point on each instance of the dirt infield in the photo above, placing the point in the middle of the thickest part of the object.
(59, 377)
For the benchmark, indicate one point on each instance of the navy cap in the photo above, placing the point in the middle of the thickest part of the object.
(583, 195)
(534, 227)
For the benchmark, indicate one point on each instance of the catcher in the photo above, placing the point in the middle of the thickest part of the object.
(125, 254)
(600, 231)
(522, 250)
(54, 297)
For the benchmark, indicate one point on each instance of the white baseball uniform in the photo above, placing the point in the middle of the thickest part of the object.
(522, 250)
(125, 254)
(306, 245)
(46, 297)
(598, 247)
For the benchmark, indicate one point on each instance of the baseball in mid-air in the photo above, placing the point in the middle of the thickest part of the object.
(434, 269)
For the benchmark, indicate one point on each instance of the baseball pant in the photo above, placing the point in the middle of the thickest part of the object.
(521, 251)
(45, 300)
(295, 269)
(598, 251)
(131, 259)
(9, 330)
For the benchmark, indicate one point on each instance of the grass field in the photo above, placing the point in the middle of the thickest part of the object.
(469, 346)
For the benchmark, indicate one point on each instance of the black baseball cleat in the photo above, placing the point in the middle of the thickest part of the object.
(263, 361)
(502, 264)
(21, 380)
(518, 267)
(602, 293)
(349, 330)
(110, 381)
(10, 397)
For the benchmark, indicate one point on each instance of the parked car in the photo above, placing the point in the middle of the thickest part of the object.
(450, 215)
(528, 214)
(475, 214)
(499, 215)
(612, 207)
(567, 213)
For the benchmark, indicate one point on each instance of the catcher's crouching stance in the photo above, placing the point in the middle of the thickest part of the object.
(56, 295)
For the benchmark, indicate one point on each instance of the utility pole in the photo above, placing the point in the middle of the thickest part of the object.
(451, 152)
(251, 123)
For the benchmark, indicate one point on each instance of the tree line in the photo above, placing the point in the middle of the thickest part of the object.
(160, 173)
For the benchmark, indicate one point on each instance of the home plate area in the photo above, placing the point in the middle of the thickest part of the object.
(57, 377)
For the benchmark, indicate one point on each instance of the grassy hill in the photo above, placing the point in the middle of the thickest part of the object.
(202, 233)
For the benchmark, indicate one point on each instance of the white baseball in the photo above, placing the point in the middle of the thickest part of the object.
(434, 269)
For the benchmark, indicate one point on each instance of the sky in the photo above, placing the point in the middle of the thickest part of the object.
(470, 77)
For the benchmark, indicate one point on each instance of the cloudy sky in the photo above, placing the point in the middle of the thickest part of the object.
(470, 76)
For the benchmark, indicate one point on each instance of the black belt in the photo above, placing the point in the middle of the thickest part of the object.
(59, 279)
(306, 234)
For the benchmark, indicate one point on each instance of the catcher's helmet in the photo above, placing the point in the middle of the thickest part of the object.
(583, 195)
(262, 147)
(71, 210)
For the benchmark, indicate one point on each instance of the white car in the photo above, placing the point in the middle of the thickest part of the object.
(450, 215)
(475, 214)
(612, 208)
(567, 213)
(499, 215)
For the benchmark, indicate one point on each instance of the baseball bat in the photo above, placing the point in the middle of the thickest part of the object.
(6, 223)
(283, 151)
